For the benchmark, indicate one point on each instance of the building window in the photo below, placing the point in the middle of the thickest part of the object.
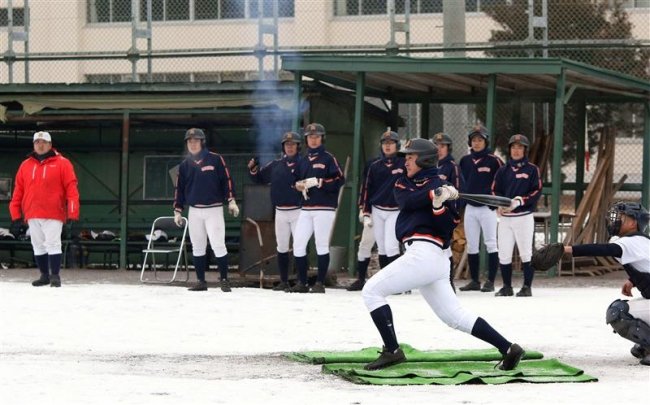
(108, 11)
(636, 3)
(18, 17)
(285, 8)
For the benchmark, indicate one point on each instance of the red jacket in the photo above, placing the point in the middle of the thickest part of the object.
(46, 189)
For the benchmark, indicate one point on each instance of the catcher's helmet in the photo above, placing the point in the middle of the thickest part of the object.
(479, 130)
(520, 139)
(426, 150)
(195, 133)
(631, 209)
(315, 129)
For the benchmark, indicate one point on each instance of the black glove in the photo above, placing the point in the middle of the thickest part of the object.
(547, 257)
(16, 228)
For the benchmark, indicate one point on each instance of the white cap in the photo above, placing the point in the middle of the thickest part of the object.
(45, 136)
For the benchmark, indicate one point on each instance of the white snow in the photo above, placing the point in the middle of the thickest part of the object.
(89, 343)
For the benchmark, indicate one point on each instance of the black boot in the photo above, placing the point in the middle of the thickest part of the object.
(43, 266)
(512, 358)
(386, 358)
(43, 280)
(55, 280)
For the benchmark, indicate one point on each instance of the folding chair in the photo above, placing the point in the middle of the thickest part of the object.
(175, 243)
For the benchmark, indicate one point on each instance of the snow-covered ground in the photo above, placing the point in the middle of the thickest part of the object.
(124, 343)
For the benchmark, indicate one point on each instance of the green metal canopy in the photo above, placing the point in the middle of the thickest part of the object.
(476, 80)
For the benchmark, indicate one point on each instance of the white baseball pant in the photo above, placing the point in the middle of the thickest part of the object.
(285, 228)
(45, 235)
(477, 219)
(320, 224)
(384, 228)
(204, 224)
(519, 230)
(366, 243)
(426, 267)
(640, 309)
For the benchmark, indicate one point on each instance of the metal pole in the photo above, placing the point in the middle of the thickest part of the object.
(276, 57)
(10, 51)
(297, 88)
(26, 28)
(149, 44)
(354, 185)
(556, 166)
(124, 189)
(645, 177)
(581, 130)
(491, 109)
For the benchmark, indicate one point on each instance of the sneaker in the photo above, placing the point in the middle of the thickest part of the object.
(225, 285)
(299, 288)
(199, 286)
(43, 280)
(505, 291)
(488, 286)
(357, 285)
(471, 286)
(318, 288)
(512, 357)
(386, 359)
(525, 292)
(639, 351)
(281, 287)
(55, 280)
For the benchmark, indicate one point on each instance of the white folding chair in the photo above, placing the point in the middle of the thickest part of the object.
(174, 244)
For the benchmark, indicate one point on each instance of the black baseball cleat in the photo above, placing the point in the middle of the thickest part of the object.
(512, 357)
(525, 292)
(299, 288)
(281, 287)
(225, 285)
(505, 291)
(318, 288)
(488, 286)
(55, 280)
(357, 285)
(471, 286)
(646, 360)
(639, 351)
(43, 280)
(386, 358)
(199, 286)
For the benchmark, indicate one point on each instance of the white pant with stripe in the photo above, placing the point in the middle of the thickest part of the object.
(204, 224)
(384, 228)
(477, 219)
(285, 228)
(519, 230)
(315, 222)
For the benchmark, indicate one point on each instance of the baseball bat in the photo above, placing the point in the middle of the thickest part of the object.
(487, 199)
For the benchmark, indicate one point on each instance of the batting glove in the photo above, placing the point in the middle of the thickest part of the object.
(233, 209)
(361, 215)
(442, 194)
(312, 182)
(178, 219)
(367, 221)
(514, 204)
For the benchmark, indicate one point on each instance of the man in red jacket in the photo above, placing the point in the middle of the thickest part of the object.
(45, 196)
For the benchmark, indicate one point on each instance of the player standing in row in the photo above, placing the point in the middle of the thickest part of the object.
(367, 241)
(319, 178)
(448, 171)
(519, 180)
(284, 197)
(204, 183)
(478, 169)
(630, 319)
(379, 203)
(45, 196)
(425, 225)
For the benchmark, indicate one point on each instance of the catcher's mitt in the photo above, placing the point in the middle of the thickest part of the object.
(547, 257)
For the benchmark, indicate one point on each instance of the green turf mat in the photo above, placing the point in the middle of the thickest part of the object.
(460, 372)
(369, 354)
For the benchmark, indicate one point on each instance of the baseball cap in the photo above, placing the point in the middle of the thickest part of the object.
(42, 135)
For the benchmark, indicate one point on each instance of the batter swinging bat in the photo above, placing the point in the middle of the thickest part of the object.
(487, 199)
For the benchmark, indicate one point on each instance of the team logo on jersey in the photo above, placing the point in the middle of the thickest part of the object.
(312, 158)
(318, 166)
(521, 175)
(484, 170)
(207, 168)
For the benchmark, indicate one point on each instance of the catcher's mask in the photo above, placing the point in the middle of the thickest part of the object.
(631, 209)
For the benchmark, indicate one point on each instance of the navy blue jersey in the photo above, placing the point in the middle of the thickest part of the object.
(449, 171)
(362, 182)
(321, 164)
(203, 182)
(417, 219)
(519, 178)
(280, 174)
(478, 170)
(380, 183)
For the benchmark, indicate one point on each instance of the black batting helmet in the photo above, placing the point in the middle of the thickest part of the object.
(315, 129)
(390, 136)
(291, 137)
(443, 139)
(426, 150)
(520, 139)
(195, 133)
(631, 209)
(479, 130)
